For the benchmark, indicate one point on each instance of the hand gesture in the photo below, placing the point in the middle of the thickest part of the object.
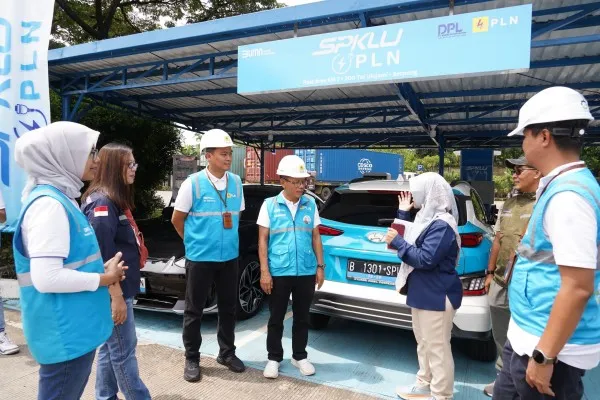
(320, 278)
(488, 282)
(538, 377)
(390, 235)
(405, 202)
(119, 310)
(266, 282)
(115, 269)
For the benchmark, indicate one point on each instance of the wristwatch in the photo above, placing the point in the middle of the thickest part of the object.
(321, 266)
(540, 358)
(488, 272)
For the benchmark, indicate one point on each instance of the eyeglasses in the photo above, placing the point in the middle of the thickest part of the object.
(94, 154)
(297, 183)
(133, 166)
(519, 170)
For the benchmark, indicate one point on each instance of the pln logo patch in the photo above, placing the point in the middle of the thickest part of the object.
(307, 220)
(231, 195)
(481, 24)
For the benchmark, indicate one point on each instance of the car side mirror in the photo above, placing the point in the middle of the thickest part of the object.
(493, 215)
(167, 213)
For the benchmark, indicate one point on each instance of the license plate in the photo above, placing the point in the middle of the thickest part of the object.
(142, 285)
(372, 271)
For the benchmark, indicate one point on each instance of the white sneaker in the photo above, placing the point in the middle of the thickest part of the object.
(305, 367)
(6, 345)
(271, 370)
(414, 392)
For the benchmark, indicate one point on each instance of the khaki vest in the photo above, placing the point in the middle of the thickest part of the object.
(513, 219)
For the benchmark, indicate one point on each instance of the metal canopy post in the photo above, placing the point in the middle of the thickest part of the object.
(441, 152)
(66, 107)
(262, 162)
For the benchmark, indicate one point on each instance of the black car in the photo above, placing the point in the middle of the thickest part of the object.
(163, 277)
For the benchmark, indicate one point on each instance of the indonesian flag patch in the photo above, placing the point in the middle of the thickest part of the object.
(101, 211)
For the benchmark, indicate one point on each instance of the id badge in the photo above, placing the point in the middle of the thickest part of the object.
(227, 221)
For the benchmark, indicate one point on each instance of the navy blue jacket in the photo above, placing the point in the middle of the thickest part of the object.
(434, 258)
(114, 233)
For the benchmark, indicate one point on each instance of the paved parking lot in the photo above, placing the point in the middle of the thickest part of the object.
(353, 360)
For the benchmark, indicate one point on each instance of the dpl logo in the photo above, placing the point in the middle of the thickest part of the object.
(450, 29)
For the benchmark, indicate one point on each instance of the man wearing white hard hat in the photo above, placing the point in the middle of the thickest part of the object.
(206, 216)
(291, 262)
(554, 290)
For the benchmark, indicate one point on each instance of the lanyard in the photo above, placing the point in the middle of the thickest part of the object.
(216, 190)
(578, 165)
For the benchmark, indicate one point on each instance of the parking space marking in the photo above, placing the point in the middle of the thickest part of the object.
(258, 333)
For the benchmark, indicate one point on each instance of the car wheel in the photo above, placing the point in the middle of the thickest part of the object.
(250, 295)
(482, 350)
(318, 321)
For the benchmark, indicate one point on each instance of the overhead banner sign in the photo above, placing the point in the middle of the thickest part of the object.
(24, 93)
(487, 42)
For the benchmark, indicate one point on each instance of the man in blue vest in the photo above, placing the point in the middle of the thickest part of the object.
(291, 262)
(206, 216)
(554, 291)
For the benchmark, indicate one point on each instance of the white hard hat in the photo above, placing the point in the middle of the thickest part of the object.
(554, 104)
(292, 166)
(215, 138)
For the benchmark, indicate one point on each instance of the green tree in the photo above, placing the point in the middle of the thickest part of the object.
(190, 150)
(79, 21)
(154, 144)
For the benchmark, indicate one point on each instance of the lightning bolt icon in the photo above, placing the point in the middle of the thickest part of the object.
(341, 63)
(480, 23)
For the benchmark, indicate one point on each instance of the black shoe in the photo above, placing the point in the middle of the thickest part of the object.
(233, 363)
(192, 373)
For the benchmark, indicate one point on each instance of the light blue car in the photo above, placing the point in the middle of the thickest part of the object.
(360, 271)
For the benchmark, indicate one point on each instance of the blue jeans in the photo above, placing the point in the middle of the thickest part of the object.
(2, 326)
(65, 380)
(117, 365)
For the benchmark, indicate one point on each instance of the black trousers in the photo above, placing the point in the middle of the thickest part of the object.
(302, 289)
(510, 384)
(200, 277)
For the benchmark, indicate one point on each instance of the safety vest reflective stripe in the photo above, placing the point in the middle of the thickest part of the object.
(543, 256)
(210, 213)
(24, 279)
(292, 229)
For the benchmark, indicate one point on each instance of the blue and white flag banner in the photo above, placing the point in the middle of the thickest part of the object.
(24, 91)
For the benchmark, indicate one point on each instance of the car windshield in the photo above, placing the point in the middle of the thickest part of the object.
(368, 208)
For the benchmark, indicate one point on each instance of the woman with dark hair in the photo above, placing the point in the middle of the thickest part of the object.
(107, 203)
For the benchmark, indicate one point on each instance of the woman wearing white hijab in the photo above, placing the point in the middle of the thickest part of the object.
(430, 252)
(65, 303)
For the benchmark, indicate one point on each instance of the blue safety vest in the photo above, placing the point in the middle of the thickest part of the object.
(63, 326)
(536, 279)
(290, 239)
(204, 237)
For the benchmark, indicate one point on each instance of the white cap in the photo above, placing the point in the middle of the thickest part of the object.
(292, 166)
(554, 104)
(215, 138)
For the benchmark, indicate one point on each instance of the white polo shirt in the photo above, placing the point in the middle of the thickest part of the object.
(184, 199)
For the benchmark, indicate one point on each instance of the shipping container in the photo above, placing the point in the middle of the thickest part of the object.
(333, 167)
(183, 166)
(237, 162)
(343, 165)
(271, 163)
